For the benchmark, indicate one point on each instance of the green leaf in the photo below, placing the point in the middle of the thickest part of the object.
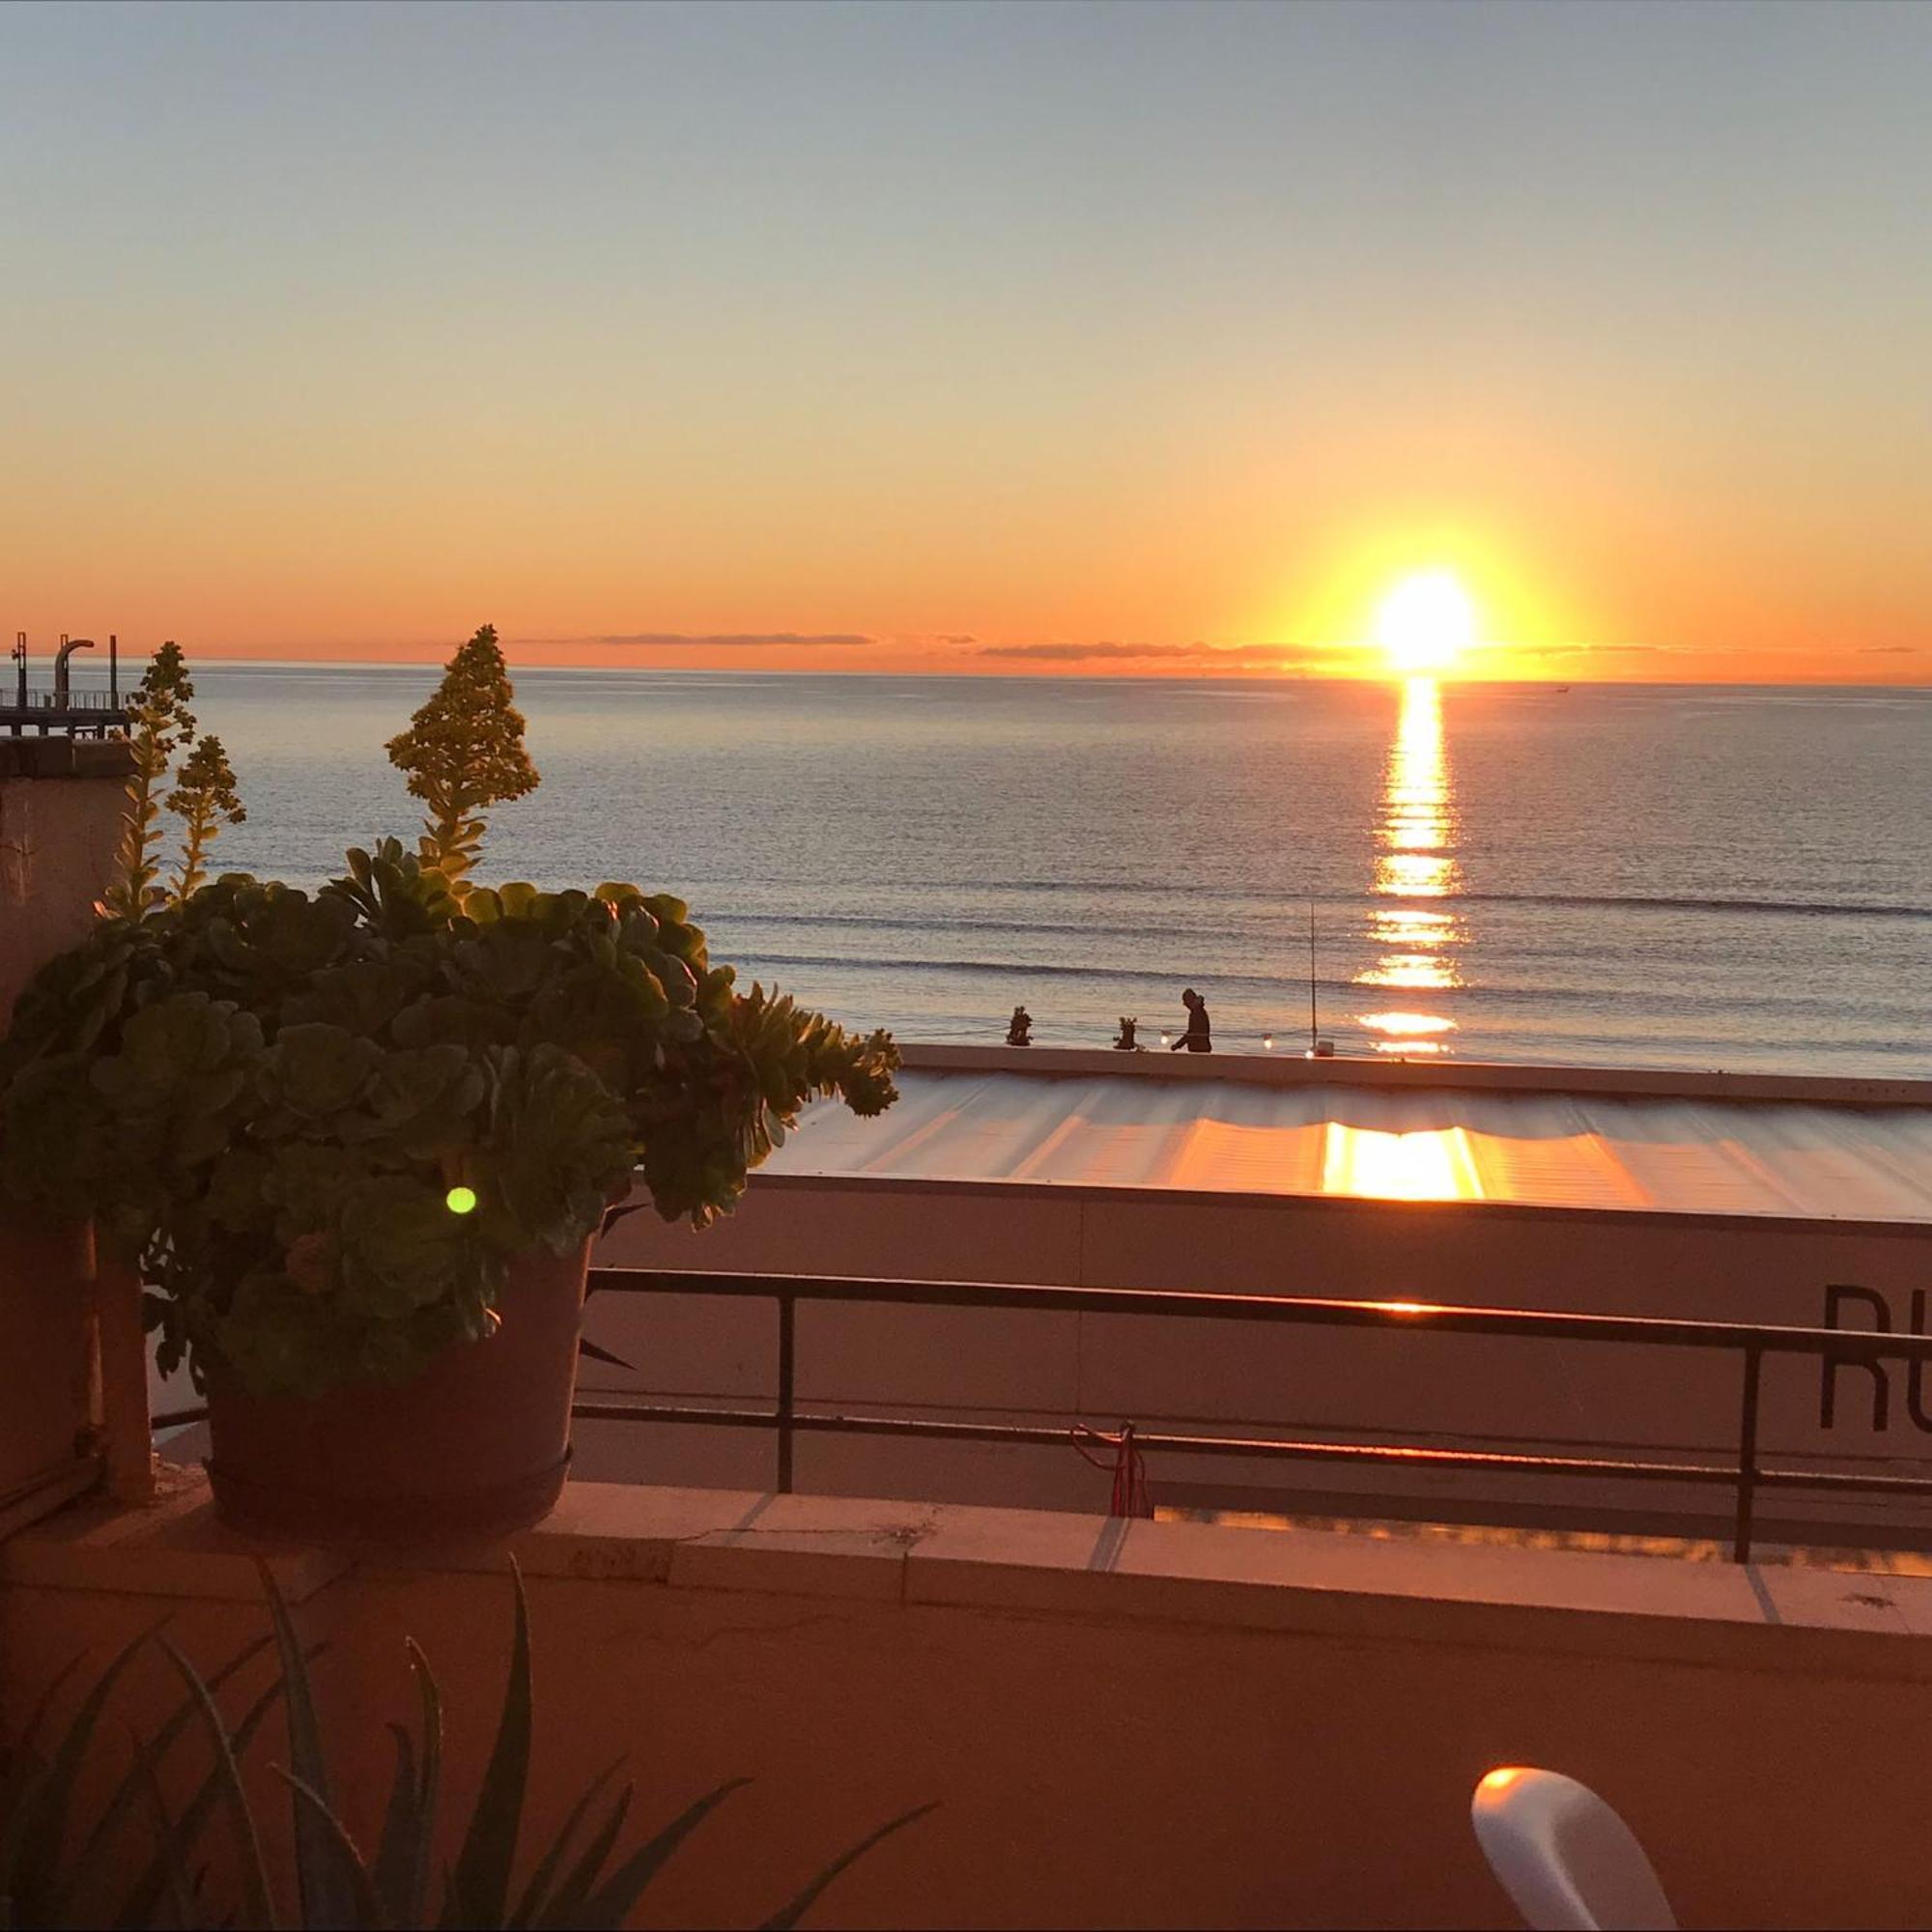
(398, 1849)
(13, 1828)
(789, 1914)
(127, 1791)
(349, 1877)
(258, 1908)
(170, 1846)
(565, 1908)
(137, 1908)
(535, 1899)
(481, 1884)
(401, 1247)
(33, 1875)
(597, 1353)
(616, 1898)
(402, 1865)
(30, 1737)
(25, 1778)
(320, 1070)
(324, 1896)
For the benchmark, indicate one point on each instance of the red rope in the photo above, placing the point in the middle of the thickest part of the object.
(1129, 1467)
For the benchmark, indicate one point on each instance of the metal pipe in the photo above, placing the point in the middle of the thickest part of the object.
(1436, 1317)
(787, 1360)
(1741, 1547)
(1313, 1025)
(68, 648)
(1265, 1447)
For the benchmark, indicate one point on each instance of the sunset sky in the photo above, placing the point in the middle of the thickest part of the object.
(1054, 338)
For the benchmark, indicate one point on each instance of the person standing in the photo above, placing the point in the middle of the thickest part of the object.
(1197, 1038)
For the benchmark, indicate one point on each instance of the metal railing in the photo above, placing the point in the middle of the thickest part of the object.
(1751, 1343)
(73, 701)
(1745, 1477)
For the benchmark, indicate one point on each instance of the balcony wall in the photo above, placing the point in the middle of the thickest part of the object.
(1134, 1724)
(61, 807)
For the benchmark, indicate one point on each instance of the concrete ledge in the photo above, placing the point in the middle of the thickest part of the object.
(1294, 1069)
(1045, 1563)
(1133, 1723)
(174, 1549)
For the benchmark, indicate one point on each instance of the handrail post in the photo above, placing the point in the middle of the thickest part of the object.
(788, 1361)
(1741, 1548)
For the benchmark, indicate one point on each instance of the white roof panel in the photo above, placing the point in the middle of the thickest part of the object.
(1536, 1148)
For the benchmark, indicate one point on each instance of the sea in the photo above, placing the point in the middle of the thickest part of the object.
(1735, 877)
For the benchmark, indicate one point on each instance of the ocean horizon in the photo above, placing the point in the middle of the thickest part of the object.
(1670, 875)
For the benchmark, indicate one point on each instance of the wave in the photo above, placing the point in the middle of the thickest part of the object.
(1793, 908)
(1237, 990)
(1364, 901)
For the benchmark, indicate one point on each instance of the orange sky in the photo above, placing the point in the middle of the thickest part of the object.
(1139, 341)
(1218, 603)
(1222, 587)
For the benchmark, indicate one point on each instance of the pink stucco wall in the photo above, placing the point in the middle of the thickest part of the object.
(1145, 1725)
(60, 820)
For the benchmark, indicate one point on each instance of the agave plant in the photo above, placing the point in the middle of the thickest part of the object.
(41, 1878)
(578, 1879)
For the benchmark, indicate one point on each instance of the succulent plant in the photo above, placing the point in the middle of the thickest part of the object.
(463, 751)
(126, 1860)
(158, 724)
(204, 797)
(264, 1098)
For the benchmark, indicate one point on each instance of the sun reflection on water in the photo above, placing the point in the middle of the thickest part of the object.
(1417, 862)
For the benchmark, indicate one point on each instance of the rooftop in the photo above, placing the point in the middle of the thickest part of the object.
(1826, 1150)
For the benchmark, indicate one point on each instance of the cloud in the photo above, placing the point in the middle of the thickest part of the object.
(1631, 650)
(946, 639)
(713, 640)
(1586, 650)
(1222, 656)
(1283, 654)
(1891, 650)
(1084, 653)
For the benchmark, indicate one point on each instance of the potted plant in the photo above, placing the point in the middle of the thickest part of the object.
(359, 1142)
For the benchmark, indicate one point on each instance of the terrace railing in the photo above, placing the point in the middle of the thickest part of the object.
(73, 701)
(1751, 1343)
(1745, 1476)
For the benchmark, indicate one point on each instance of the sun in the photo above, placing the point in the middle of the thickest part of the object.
(1424, 623)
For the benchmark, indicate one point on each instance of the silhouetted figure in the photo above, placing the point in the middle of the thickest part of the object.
(1197, 1038)
(1019, 1029)
(1125, 1044)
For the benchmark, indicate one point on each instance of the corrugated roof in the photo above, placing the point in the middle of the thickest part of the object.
(1552, 1149)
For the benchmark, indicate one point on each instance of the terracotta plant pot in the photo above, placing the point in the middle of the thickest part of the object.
(476, 1446)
